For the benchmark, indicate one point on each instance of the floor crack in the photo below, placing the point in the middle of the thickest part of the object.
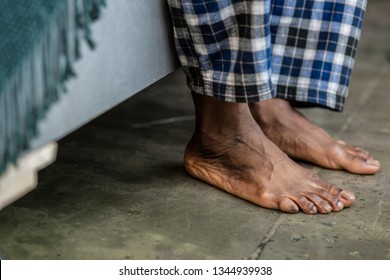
(383, 195)
(267, 238)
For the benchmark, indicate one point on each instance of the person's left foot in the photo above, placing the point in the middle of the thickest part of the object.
(229, 151)
(301, 139)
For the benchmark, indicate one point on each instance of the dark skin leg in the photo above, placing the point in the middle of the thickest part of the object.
(301, 139)
(230, 151)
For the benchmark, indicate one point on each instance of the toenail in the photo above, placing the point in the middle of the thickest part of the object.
(373, 162)
(292, 210)
(328, 208)
(339, 204)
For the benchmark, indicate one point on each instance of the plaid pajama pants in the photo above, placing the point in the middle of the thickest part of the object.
(252, 50)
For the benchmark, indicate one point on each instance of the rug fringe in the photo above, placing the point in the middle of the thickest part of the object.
(39, 80)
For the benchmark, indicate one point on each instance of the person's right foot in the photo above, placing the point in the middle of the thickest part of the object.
(230, 151)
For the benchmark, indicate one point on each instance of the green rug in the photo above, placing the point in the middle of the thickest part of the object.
(39, 42)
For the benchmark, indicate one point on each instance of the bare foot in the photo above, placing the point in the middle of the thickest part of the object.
(301, 139)
(229, 151)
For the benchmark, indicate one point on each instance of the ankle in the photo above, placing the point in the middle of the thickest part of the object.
(219, 118)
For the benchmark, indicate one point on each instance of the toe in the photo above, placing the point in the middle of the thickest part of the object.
(332, 195)
(359, 165)
(348, 198)
(362, 151)
(306, 205)
(322, 205)
(353, 149)
(363, 166)
(373, 162)
(288, 206)
(354, 159)
(339, 198)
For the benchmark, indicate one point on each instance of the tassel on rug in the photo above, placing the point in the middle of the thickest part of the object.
(40, 42)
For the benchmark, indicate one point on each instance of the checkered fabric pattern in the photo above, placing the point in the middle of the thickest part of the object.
(252, 50)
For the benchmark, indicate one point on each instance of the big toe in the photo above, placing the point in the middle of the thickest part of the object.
(355, 160)
(358, 165)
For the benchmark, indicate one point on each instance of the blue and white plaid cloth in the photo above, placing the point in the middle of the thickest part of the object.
(252, 50)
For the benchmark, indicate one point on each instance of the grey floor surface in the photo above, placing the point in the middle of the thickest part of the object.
(118, 189)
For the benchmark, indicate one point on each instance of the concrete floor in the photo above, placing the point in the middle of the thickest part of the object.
(118, 189)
